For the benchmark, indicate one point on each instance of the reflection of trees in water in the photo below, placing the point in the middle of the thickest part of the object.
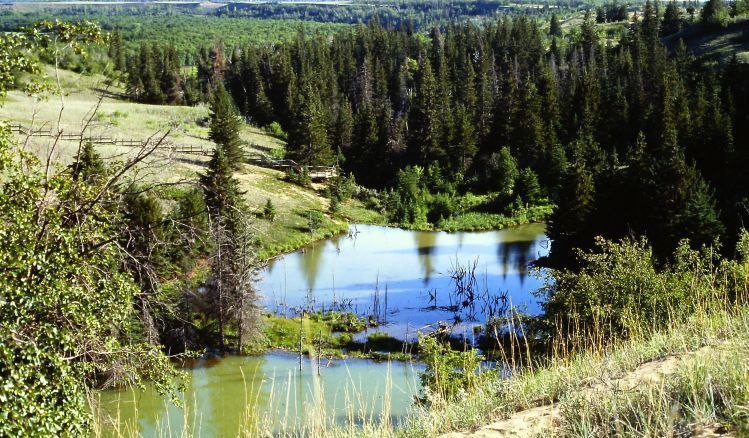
(426, 243)
(515, 256)
(310, 260)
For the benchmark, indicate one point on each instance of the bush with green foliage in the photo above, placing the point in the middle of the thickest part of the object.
(275, 129)
(715, 13)
(448, 372)
(65, 307)
(340, 322)
(441, 206)
(622, 290)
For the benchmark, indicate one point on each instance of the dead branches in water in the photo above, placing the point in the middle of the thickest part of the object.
(468, 300)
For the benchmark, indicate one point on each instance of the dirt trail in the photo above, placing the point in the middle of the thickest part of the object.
(543, 421)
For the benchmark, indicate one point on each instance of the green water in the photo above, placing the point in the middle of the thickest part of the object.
(223, 397)
(403, 276)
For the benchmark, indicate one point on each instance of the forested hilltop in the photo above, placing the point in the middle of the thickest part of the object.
(142, 21)
(624, 136)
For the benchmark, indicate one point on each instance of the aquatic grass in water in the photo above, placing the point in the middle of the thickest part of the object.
(267, 395)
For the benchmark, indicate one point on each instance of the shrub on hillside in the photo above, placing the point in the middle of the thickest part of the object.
(622, 291)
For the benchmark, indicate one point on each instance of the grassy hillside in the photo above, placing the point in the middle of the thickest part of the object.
(186, 126)
(690, 380)
(716, 43)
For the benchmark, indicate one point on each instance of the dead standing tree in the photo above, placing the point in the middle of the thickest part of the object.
(231, 296)
(244, 298)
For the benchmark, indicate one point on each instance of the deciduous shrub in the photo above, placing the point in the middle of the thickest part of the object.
(622, 290)
(448, 372)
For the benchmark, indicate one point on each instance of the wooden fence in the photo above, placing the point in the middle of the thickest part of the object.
(315, 172)
(103, 140)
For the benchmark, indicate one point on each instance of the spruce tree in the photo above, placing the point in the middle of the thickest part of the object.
(555, 27)
(423, 119)
(116, 51)
(528, 187)
(364, 142)
(142, 238)
(225, 126)
(527, 135)
(671, 19)
(221, 189)
(148, 75)
(504, 169)
(224, 205)
(464, 148)
(569, 220)
(87, 165)
(344, 129)
(171, 79)
(308, 140)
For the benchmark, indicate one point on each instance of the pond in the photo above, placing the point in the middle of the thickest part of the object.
(406, 280)
(226, 397)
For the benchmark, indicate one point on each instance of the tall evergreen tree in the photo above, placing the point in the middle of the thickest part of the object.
(308, 139)
(423, 119)
(672, 20)
(116, 52)
(344, 127)
(571, 215)
(230, 296)
(225, 126)
(555, 27)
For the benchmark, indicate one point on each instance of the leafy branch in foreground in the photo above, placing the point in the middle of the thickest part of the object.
(65, 300)
(18, 51)
(64, 304)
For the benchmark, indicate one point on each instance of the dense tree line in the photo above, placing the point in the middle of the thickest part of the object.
(189, 27)
(611, 13)
(419, 15)
(184, 28)
(626, 138)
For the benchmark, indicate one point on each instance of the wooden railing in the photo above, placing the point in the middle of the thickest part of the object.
(315, 172)
(103, 140)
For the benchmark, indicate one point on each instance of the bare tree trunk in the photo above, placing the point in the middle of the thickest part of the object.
(245, 296)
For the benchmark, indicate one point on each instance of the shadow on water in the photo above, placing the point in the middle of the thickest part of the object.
(310, 268)
(515, 257)
(426, 244)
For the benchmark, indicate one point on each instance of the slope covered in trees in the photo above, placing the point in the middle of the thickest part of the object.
(625, 138)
